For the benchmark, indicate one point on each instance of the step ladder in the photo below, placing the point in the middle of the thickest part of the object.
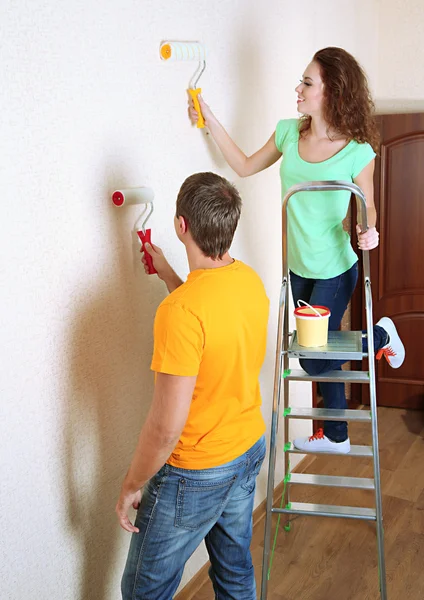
(341, 345)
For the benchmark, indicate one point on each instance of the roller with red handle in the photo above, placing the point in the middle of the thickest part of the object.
(139, 195)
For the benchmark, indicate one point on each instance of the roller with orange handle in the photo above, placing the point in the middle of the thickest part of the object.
(171, 51)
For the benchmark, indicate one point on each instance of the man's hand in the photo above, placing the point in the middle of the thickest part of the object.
(158, 437)
(367, 240)
(126, 500)
(162, 266)
(160, 263)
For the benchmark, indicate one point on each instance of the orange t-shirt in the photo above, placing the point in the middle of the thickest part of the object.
(214, 326)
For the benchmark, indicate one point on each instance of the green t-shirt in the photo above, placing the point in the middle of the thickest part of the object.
(318, 247)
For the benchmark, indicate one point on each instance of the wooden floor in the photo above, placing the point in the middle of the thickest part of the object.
(336, 559)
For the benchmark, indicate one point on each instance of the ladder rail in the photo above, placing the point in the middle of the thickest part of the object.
(273, 438)
(286, 391)
(374, 427)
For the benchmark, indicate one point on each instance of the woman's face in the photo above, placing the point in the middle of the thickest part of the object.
(310, 91)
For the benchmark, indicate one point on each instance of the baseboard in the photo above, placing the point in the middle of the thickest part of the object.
(193, 586)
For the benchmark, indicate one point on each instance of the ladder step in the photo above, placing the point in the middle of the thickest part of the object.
(332, 481)
(328, 510)
(328, 414)
(353, 376)
(343, 345)
(354, 451)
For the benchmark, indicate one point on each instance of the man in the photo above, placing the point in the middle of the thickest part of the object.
(202, 444)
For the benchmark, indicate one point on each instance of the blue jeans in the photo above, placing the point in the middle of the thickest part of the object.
(179, 509)
(335, 293)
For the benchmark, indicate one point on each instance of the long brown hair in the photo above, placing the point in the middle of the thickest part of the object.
(348, 105)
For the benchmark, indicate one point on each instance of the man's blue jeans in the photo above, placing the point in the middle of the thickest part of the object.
(335, 293)
(179, 509)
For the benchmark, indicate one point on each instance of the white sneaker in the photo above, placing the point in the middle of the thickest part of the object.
(394, 351)
(321, 443)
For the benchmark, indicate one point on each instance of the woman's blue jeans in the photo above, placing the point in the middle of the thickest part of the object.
(335, 293)
(179, 509)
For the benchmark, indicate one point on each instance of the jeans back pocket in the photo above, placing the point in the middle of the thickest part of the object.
(201, 501)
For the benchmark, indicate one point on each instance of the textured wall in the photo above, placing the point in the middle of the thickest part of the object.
(87, 106)
(400, 80)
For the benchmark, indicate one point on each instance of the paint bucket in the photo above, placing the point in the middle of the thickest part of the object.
(311, 324)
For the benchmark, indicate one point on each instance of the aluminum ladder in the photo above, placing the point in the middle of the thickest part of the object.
(343, 345)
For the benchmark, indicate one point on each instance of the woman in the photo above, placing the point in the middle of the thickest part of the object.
(334, 139)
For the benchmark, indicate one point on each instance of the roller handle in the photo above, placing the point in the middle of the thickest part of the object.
(194, 94)
(145, 238)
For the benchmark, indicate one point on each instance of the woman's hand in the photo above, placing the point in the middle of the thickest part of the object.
(193, 114)
(367, 240)
(243, 165)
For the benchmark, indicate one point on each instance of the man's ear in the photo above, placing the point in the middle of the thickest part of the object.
(182, 225)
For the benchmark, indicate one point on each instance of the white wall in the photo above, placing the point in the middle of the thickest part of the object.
(87, 106)
(400, 78)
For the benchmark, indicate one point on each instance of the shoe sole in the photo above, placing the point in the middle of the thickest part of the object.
(390, 327)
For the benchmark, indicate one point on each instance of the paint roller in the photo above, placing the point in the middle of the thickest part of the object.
(139, 195)
(188, 51)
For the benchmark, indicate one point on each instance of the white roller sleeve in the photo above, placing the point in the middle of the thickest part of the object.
(139, 195)
(182, 51)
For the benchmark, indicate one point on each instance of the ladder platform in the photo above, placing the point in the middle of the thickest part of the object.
(332, 481)
(328, 510)
(328, 414)
(341, 345)
(359, 451)
(337, 376)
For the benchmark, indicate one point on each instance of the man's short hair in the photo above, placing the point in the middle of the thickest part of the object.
(211, 206)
